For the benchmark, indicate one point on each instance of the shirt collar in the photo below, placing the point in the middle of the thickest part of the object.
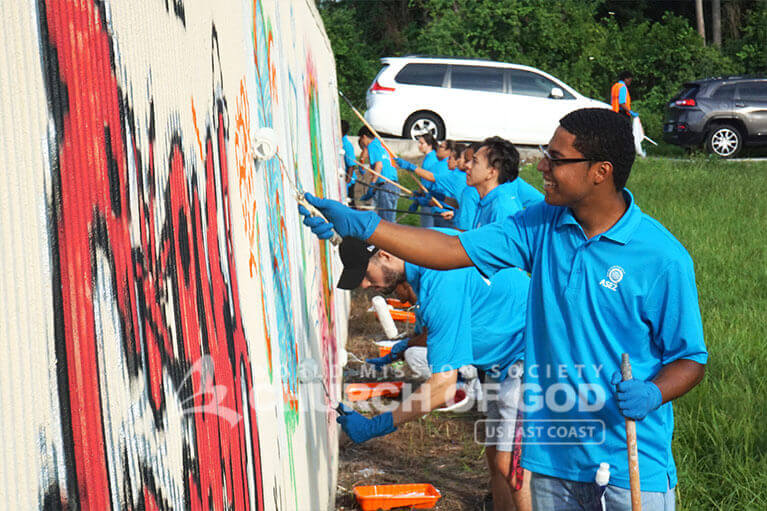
(491, 195)
(413, 277)
(623, 229)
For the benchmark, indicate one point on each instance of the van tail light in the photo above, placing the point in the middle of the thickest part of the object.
(377, 87)
(685, 102)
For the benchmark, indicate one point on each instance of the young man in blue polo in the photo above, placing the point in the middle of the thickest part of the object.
(386, 194)
(470, 321)
(494, 172)
(606, 279)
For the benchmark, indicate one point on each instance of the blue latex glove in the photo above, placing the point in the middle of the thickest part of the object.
(438, 195)
(361, 429)
(437, 210)
(404, 164)
(633, 113)
(423, 200)
(369, 194)
(346, 221)
(393, 355)
(414, 206)
(636, 398)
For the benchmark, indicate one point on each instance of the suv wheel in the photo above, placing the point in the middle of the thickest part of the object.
(724, 140)
(424, 122)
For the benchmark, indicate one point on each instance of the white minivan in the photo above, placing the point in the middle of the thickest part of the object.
(470, 100)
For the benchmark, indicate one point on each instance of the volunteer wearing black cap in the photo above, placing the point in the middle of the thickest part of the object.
(470, 320)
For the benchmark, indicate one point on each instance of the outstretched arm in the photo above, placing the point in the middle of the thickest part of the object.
(422, 247)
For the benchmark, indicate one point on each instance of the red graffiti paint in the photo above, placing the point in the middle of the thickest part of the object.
(188, 269)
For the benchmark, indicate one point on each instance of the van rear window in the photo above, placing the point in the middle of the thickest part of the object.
(422, 74)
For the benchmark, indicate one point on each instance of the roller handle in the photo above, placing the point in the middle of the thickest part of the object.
(336, 239)
(631, 445)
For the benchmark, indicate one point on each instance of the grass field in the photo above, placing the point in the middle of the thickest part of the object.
(718, 210)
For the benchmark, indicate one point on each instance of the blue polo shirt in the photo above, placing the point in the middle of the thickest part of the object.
(429, 160)
(468, 203)
(630, 289)
(377, 153)
(500, 202)
(450, 182)
(471, 319)
(349, 159)
(524, 193)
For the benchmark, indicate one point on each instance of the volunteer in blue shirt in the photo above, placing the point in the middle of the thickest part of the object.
(428, 146)
(606, 279)
(470, 320)
(386, 194)
(469, 199)
(349, 161)
(494, 172)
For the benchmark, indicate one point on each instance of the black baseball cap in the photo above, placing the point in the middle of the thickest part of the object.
(355, 255)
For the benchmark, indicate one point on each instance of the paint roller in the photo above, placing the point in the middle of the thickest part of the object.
(384, 316)
(309, 372)
(264, 147)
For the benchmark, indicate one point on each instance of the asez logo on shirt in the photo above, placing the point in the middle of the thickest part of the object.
(614, 276)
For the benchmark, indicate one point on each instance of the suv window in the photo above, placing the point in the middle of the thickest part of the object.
(488, 79)
(533, 84)
(689, 92)
(724, 92)
(753, 90)
(422, 74)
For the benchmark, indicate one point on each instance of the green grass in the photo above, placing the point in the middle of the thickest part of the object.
(718, 210)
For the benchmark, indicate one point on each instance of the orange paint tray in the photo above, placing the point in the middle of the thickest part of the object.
(363, 391)
(398, 304)
(389, 496)
(406, 316)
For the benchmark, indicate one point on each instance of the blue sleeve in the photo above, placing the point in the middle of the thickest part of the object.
(622, 94)
(429, 160)
(673, 310)
(527, 194)
(499, 245)
(447, 314)
(467, 209)
(451, 183)
(348, 153)
(374, 154)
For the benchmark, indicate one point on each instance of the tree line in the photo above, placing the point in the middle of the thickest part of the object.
(585, 43)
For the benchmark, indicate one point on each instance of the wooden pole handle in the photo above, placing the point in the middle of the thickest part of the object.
(631, 445)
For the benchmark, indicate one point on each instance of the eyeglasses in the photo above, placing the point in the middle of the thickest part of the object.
(560, 161)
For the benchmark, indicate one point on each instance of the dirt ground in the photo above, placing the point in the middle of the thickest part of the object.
(438, 449)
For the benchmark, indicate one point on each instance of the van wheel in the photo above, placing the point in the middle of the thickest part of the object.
(424, 122)
(724, 140)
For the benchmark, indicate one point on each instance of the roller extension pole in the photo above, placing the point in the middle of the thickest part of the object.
(631, 445)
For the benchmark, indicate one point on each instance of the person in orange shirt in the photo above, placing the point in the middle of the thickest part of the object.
(620, 99)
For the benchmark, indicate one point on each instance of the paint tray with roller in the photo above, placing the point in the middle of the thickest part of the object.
(364, 391)
(390, 496)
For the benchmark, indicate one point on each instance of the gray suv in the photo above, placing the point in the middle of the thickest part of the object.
(723, 113)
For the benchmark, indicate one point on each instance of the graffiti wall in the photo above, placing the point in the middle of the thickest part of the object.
(158, 290)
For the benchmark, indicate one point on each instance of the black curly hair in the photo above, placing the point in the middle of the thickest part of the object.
(603, 135)
(503, 156)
